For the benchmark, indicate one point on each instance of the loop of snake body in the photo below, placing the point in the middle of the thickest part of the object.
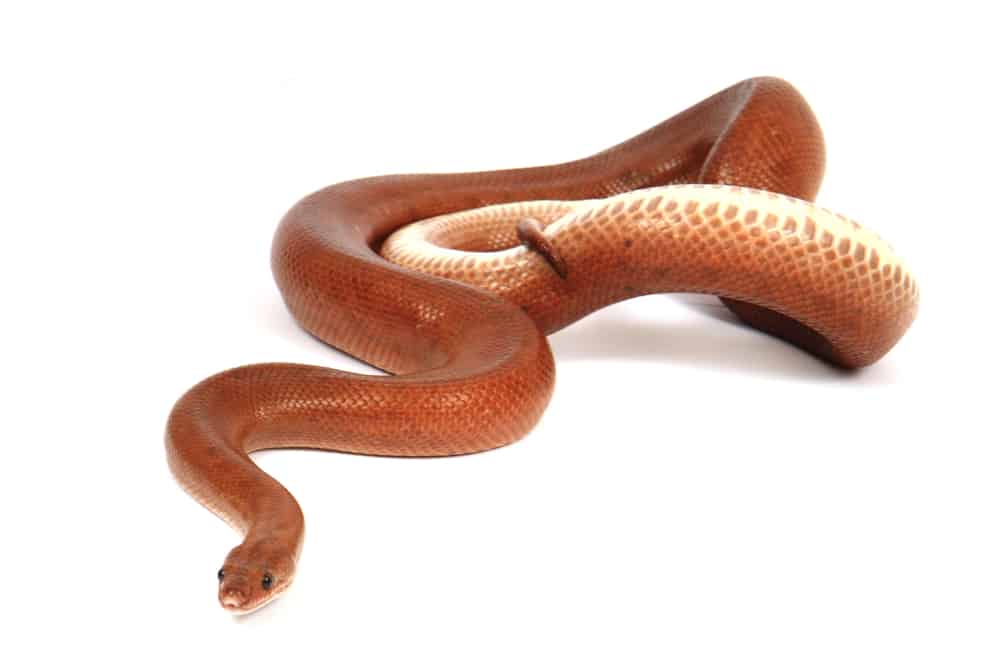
(472, 370)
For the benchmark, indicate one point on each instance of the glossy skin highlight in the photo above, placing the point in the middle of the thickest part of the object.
(471, 370)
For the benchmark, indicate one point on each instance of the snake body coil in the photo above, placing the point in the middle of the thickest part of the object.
(473, 371)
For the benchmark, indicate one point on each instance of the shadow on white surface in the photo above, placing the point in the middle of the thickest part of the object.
(717, 342)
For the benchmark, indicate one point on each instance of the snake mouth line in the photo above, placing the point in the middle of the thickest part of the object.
(243, 611)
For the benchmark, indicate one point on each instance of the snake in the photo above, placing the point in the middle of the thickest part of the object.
(450, 283)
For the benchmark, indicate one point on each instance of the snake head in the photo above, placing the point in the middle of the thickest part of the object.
(252, 576)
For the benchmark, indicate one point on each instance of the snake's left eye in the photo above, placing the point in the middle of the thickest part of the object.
(222, 573)
(266, 581)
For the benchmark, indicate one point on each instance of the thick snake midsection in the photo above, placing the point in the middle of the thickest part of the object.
(812, 265)
(473, 370)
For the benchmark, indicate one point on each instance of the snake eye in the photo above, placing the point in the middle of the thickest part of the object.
(222, 573)
(266, 581)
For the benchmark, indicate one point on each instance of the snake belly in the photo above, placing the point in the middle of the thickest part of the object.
(471, 370)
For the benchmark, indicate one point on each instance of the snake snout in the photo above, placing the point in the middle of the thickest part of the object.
(232, 598)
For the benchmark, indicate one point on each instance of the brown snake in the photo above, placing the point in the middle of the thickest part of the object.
(473, 371)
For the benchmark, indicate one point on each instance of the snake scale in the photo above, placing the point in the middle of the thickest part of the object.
(712, 200)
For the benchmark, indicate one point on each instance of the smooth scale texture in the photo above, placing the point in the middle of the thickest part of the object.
(824, 270)
(473, 371)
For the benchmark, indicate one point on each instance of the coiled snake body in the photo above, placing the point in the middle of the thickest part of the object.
(473, 371)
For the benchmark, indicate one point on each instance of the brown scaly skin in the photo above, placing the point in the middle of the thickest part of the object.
(472, 372)
(790, 256)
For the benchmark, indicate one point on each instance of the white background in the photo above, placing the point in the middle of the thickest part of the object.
(697, 493)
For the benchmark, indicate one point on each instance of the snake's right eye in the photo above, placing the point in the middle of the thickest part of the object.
(222, 573)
